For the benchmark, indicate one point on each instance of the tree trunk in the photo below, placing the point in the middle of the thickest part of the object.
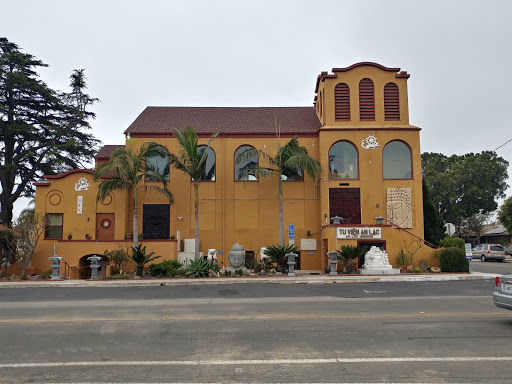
(196, 220)
(135, 226)
(281, 216)
(140, 269)
(6, 212)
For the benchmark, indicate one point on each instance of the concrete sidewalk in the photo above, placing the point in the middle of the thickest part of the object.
(298, 279)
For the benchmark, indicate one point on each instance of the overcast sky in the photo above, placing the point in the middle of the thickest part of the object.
(269, 53)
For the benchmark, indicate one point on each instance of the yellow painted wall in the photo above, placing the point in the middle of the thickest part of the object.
(231, 212)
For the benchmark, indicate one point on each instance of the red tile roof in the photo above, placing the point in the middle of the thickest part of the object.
(106, 151)
(226, 120)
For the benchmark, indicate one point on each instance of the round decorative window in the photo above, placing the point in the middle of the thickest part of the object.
(107, 200)
(105, 223)
(55, 199)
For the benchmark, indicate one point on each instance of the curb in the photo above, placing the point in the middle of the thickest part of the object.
(323, 279)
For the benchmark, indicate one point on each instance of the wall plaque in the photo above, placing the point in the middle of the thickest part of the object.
(308, 244)
(358, 233)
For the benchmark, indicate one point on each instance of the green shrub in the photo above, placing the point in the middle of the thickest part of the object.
(140, 259)
(46, 274)
(165, 268)
(451, 242)
(239, 272)
(453, 260)
(118, 276)
(347, 254)
(23, 277)
(198, 268)
(402, 259)
(417, 270)
(277, 254)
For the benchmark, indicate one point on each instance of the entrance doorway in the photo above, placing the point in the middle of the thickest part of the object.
(84, 266)
(366, 245)
(105, 226)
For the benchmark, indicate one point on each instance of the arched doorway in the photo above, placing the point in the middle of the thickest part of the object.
(84, 266)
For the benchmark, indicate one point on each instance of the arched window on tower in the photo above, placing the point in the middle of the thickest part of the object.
(342, 102)
(391, 102)
(343, 162)
(396, 161)
(366, 100)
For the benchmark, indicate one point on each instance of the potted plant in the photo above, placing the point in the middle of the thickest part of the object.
(70, 236)
(88, 237)
(128, 236)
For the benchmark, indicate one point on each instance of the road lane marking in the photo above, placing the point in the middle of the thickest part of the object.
(258, 362)
(246, 317)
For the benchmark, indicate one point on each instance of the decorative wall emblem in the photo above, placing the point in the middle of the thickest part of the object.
(399, 207)
(370, 142)
(82, 185)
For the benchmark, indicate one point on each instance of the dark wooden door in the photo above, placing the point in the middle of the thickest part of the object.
(105, 226)
(156, 221)
(345, 203)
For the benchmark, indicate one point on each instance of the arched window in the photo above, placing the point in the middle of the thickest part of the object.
(159, 165)
(245, 164)
(366, 100)
(292, 174)
(209, 168)
(343, 162)
(391, 102)
(342, 102)
(396, 161)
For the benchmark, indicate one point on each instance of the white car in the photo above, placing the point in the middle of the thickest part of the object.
(502, 295)
(487, 252)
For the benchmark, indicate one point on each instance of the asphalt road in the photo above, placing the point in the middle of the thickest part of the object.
(446, 332)
(503, 268)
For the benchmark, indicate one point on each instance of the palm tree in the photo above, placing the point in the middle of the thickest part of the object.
(288, 159)
(126, 170)
(189, 162)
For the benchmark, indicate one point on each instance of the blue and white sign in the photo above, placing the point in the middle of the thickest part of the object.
(469, 254)
(291, 231)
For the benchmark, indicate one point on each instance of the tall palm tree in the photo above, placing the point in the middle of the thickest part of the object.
(288, 159)
(189, 162)
(126, 170)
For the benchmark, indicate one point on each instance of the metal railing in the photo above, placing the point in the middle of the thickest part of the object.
(68, 268)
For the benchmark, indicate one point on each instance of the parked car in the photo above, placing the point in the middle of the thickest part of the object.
(486, 252)
(502, 295)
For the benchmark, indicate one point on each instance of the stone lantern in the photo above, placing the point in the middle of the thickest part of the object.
(95, 265)
(56, 267)
(333, 259)
(291, 263)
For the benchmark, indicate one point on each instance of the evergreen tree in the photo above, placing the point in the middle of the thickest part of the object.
(42, 131)
(432, 219)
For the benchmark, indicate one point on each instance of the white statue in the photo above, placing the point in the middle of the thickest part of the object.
(376, 262)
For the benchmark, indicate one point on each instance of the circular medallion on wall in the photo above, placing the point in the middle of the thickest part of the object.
(105, 223)
(107, 200)
(55, 199)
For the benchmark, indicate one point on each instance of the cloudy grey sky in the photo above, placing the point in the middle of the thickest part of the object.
(196, 53)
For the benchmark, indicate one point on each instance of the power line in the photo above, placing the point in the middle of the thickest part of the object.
(502, 145)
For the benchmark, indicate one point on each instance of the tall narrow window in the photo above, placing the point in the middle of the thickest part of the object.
(54, 226)
(342, 102)
(247, 163)
(209, 165)
(391, 102)
(158, 165)
(396, 161)
(343, 161)
(366, 100)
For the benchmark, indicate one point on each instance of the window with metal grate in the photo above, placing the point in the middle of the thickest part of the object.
(366, 100)
(342, 102)
(391, 102)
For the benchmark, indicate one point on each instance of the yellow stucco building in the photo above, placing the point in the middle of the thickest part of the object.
(359, 131)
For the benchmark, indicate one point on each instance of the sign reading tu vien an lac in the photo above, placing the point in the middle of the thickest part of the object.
(358, 233)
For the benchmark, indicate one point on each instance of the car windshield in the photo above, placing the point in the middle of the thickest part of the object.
(498, 248)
